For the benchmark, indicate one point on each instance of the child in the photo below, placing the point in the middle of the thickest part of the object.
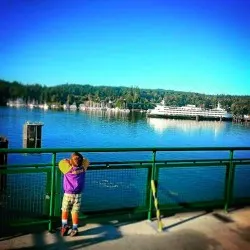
(73, 184)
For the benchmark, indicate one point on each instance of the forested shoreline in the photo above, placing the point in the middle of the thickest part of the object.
(132, 97)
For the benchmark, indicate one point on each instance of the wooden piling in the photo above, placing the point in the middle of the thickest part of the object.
(3, 161)
(32, 135)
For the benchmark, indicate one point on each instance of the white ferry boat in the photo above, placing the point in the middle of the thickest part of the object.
(189, 112)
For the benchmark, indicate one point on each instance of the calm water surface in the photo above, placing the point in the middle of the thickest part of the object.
(99, 129)
(127, 187)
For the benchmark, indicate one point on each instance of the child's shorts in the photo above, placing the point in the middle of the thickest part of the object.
(71, 202)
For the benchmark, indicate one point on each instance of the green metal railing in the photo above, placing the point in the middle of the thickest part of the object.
(228, 176)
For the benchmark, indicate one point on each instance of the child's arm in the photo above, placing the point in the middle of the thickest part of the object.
(85, 163)
(64, 166)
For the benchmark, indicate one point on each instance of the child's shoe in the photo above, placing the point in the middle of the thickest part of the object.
(74, 232)
(64, 230)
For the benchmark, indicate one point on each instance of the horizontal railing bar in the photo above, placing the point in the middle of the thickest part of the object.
(241, 199)
(92, 150)
(121, 162)
(27, 223)
(92, 164)
(201, 164)
(204, 160)
(183, 160)
(118, 167)
(195, 161)
(241, 163)
(110, 163)
(93, 167)
(24, 170)
(172, 164)
(114, 211)
(140, 164)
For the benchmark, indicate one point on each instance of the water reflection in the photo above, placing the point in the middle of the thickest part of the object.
(160, 125)
(115, 116)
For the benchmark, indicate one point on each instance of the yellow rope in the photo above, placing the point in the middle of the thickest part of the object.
(158, 214)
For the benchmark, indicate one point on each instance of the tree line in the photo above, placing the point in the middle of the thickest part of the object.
(129, 97)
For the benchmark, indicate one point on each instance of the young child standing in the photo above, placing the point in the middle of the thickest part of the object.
(74, 170)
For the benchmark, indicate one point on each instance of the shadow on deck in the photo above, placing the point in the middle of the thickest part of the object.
(190, 231)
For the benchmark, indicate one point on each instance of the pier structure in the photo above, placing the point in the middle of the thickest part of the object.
(32, 134)
(241, 119)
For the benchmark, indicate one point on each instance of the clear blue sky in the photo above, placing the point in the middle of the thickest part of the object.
(196, 45)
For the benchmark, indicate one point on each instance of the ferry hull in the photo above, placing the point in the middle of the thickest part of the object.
(187, 117)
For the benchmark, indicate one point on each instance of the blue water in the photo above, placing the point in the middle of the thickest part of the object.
(125, 187)
(99, 129)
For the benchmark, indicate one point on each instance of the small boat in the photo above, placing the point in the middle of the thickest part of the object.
(73, 106)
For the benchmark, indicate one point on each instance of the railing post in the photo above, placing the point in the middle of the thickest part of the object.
(153, 172)
(3, 161)
(229, 181)
(58, 186)
(52, 190)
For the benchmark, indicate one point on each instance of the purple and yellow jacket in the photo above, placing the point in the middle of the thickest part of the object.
(74, 176)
